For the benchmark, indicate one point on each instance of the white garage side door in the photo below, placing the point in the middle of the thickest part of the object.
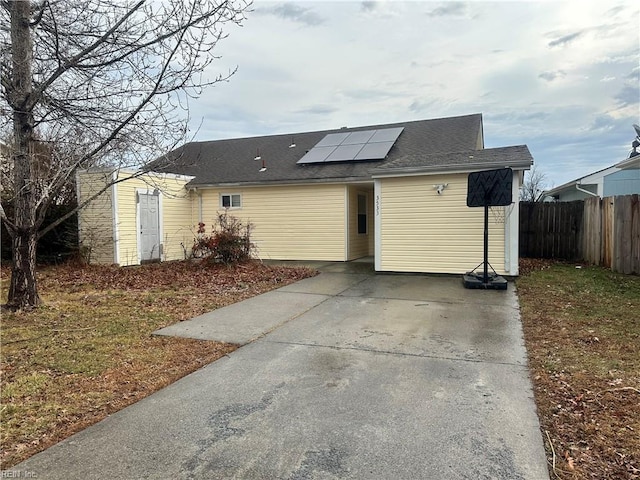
(149, 224)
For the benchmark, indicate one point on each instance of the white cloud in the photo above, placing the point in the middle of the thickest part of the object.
(547, 74)
(293, 12)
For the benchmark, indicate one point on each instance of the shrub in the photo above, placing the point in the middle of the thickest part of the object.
(229, 241)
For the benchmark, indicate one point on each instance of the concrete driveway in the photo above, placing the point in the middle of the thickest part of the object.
(344, 375)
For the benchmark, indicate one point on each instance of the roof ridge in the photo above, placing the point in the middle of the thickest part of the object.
(338, 129)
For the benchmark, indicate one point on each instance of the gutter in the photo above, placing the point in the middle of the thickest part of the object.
(281, 183)
(586, 191)
(457, 168)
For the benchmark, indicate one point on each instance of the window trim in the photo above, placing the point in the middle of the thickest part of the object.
(230, 195)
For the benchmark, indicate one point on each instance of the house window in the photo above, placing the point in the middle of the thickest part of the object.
(362, 213)
(230, 200)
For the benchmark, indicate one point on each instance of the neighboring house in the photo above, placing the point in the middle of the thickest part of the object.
(396, 192)
(622, 178)
(625, 181)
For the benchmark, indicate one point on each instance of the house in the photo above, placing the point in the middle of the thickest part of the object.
(623, 178)
(137, 218)
(396, 192)
(624, 181)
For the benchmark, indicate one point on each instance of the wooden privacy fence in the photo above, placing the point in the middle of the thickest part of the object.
(612, 233)
(551, 230)
(600, 231)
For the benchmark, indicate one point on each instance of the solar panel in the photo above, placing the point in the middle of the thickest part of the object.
(386, 135)
(317, 155)
(344, 153)
(374, 151)
(332, 139)
(358, 137)
(349, 146)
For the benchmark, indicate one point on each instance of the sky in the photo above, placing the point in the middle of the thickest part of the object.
(561, 77)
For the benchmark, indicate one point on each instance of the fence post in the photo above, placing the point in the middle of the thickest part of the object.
(592, 230)
(608, 236)
(626, 248)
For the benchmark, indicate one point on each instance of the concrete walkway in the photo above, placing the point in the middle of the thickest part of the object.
(343, 375)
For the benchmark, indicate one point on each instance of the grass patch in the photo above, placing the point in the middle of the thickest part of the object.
(89, 352)
(582, 331)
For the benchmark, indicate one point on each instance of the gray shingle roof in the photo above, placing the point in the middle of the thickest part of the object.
(232, 161)
(516, 157)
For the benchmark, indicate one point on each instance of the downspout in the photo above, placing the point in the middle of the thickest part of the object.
(586, 191)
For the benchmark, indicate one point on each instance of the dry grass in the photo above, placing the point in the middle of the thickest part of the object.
(582, 331)
(89, 352)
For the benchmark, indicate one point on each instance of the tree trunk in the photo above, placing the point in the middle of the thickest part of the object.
(23, 292)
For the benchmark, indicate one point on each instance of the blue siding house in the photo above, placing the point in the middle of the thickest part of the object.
(625, 181)
(623, 178)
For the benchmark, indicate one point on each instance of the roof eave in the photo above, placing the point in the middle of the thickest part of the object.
(454, 168)
(631, 162)
(280, 182)
(567, 187)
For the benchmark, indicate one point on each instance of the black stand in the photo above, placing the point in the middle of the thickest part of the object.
(487, 280)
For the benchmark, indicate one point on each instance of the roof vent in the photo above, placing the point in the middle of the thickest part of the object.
(264, 167)
(293, 143)
(257, 157)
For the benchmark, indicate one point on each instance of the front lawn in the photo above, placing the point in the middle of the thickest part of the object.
(89, 352)
(582, 331)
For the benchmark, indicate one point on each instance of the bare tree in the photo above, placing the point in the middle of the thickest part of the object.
(534, 185)
(104, 83)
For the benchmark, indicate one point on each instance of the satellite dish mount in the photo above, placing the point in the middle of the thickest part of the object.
(489, 188)
(636, 143)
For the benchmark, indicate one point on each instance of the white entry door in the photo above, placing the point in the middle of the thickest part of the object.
(149, 216)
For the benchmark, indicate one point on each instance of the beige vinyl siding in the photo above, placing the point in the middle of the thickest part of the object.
(175, 210)
(100, 226)
(127, 227)
(360, 245)
(422, 231)
(95, 221)
(304, 222)
(178, 225)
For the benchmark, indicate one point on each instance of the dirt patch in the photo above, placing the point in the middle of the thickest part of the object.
(89, 352)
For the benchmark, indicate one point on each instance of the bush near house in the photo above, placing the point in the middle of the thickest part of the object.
(229, 241)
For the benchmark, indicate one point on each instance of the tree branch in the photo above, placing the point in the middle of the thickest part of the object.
(86, 202)
(37, 94)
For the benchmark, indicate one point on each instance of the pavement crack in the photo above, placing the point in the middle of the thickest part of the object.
(275, 327)
(222, 427)
(398, 354)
